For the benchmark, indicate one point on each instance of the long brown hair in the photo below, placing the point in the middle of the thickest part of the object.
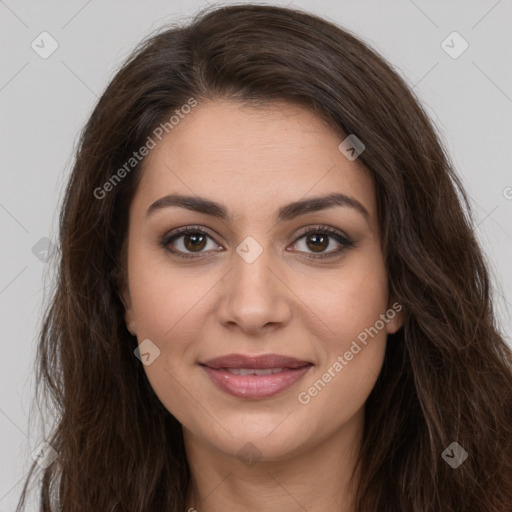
(447, 374)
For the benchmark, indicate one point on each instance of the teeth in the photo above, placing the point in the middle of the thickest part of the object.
(253, 371)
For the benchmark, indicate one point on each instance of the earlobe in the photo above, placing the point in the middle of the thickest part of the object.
(124, 295)
(395, 314)
(131, 327)
(120, 283)
(128, 316)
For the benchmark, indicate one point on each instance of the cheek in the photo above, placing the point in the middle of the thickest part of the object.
(166, 306)
(350, 355)
(163, 297)
(350, 336)
(348, 300)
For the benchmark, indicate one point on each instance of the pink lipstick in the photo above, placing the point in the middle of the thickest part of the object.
(255, 376)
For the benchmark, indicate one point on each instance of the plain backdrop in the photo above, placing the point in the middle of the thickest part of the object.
(44, 103)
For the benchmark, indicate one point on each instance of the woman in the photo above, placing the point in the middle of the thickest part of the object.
(270, 295)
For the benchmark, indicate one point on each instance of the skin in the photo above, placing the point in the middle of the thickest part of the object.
(255, 160)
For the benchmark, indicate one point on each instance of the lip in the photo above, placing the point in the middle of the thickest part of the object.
(255, 386)
(263, 361)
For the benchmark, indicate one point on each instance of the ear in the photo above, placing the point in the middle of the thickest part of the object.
(123, 291)
(129, 317)
(395, 314)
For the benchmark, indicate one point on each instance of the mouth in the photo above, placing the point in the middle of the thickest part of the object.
(253, 377)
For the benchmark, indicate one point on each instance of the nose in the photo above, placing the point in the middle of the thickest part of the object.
(254, 294)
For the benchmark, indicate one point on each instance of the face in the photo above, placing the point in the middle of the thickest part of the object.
(254, 276)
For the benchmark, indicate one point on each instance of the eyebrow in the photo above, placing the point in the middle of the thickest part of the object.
(286, 213)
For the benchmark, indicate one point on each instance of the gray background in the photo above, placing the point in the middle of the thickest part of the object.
(44, 103)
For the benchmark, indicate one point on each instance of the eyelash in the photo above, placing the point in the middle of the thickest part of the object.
(319, 230)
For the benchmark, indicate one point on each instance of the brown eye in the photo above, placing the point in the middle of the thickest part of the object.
(191, 242)
(187, 241)
(317, 243)
(194, 241)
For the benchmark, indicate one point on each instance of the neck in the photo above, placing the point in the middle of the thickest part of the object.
(314, 479)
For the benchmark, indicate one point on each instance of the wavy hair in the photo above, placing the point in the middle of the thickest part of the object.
(447, 374)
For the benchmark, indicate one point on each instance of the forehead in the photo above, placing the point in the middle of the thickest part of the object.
(251, 157)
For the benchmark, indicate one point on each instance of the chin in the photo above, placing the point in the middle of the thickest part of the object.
(263, 441)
